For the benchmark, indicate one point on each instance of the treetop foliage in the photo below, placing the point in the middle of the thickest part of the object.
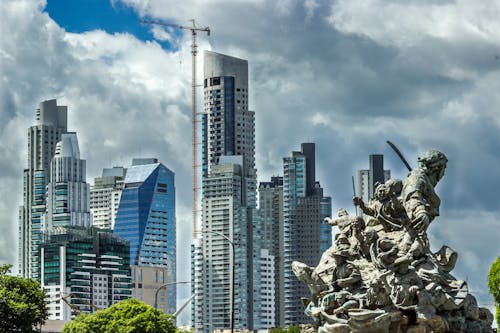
(22, 303)
(494, 285)
(128, 316)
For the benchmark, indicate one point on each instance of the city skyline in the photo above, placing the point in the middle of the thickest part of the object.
(329, 74)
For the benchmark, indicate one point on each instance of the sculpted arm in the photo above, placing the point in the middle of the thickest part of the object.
(367, 209)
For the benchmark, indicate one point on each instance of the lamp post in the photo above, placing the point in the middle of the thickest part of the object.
(232, 274)
(164, 286)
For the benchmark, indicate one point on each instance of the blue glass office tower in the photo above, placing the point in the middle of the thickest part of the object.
(146, 217)
(305, 235)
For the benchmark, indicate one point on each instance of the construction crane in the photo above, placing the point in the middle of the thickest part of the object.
(194, 51)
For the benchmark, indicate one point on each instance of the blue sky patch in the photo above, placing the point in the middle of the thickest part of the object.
(78, 16)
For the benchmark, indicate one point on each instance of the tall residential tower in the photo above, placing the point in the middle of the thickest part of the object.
(228, 201)
(105, 197)
(271, 218)
(306, 235)
(50, 124)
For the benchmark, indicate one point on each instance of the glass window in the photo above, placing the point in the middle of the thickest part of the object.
(139, 275)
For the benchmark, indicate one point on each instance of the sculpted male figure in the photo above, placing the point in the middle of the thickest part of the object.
(419, 198)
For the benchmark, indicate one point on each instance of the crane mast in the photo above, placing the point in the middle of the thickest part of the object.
(194, 51)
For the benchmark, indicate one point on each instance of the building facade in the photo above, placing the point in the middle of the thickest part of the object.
(229, 200)
(146, 218)
(67, 191)
(105, 197)
(271, 214)
(369, 177)
(50, 124)
(305, 234)
(267, 290)
(83, 269)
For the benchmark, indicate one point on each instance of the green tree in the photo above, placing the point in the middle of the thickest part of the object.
(494, 285)
(277, 330)
(293, 329)
(128, 316)
(22, 303)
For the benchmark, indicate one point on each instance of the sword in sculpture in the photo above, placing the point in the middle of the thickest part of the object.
(399, 154)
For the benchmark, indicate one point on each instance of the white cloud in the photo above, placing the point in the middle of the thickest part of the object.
(348, 76)
(405, 24)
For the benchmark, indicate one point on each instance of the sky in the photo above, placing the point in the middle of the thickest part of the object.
(347, 75)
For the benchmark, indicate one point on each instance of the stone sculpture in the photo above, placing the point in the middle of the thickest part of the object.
(380, 274)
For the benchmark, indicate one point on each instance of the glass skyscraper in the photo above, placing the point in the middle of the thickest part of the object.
(51, 123)
(146, 218)
(305, 235)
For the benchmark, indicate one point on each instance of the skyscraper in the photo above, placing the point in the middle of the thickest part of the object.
(50, 124)
(67, 191)
(146, 218)
(105, 197)
(271, 214)
(228, 200)
(369, 177)
(223, 213)
(305, 233)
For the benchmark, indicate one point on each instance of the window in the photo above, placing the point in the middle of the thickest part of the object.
(155, 276)
(162, 277)
(215, 81)
(139, 275)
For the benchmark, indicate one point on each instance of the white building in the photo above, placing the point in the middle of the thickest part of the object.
(68, 191)
(105, 197)
(268, 291)
(369, 177)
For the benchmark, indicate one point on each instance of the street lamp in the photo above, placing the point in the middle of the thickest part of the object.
(232, 274)
(164, 286)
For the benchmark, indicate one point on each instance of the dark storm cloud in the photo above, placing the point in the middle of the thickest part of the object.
(347, 75)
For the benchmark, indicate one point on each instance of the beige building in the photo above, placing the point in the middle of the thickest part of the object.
(146, 280)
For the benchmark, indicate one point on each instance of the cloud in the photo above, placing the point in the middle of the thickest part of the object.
(347, 75)
(126, 98)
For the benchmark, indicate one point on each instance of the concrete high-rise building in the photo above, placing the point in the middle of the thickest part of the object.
(369, 177)
(146, 217)
(228, 127)
(305, 233)
(271, 214)
(268, 290)
(50, 124)
(85, 267)
(67, 191)
(105, 197)
(223, 213)
(229, 201)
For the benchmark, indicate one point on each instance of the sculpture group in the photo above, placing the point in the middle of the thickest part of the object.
(380, 274)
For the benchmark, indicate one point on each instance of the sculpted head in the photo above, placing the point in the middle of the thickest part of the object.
(433, 162)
